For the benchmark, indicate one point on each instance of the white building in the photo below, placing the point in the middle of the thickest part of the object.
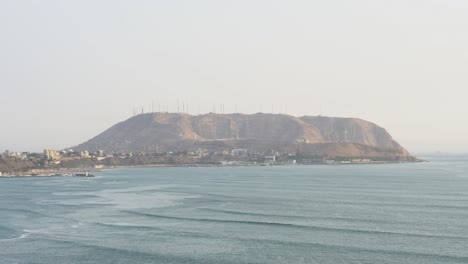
(51, 154)
(239, 152)
(270, 159)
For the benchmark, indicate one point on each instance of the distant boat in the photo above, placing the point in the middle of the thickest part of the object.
(83, 175)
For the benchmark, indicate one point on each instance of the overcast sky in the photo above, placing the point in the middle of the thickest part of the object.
(71, 69)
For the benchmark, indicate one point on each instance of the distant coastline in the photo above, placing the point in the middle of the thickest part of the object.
(70, 172)
(181, 140)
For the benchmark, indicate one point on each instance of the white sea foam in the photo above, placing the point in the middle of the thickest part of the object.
(19, 237)
(79, 224)
(36, 231)
(132, 199)
(114, 182)
(127, 198)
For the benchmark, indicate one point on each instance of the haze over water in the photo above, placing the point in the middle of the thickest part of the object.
(396, 213)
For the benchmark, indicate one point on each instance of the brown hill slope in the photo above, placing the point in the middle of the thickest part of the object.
(315, 135)
(15, 164)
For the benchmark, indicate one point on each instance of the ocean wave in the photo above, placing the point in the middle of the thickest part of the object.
(114, 182)
(22, 211)
(131, 253)
(406, 205)
(334, 247)
(347, 219)
(77, 225)
(251, 214)
(296, 226)
(37, 231)
(126, 198)
(121, 226)
(12, 234)
(356, 249)
(16, 238)
(75, 194)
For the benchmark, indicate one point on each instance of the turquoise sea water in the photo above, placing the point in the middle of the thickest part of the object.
(399, 213)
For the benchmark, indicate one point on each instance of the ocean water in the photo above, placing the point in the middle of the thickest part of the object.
(395, 213)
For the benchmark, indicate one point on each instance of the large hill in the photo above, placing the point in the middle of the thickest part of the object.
(315, 135)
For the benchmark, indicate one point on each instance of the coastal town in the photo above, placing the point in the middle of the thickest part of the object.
(67, 162)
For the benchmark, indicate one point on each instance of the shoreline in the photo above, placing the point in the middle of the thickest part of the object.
(71, 172)
(62, 172)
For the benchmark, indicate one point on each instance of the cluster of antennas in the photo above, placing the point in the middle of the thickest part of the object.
(183, 107)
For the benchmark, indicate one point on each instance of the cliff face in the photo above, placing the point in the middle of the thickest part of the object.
(353, 130)
(15, 164)
(315, 135)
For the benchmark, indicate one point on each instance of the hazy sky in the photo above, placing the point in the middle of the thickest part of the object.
(71, 69)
